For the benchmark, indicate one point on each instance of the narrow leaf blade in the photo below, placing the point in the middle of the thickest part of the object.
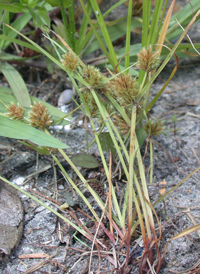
(16, 83)
(19, 130)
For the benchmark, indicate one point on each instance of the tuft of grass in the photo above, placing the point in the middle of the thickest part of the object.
(119, 103)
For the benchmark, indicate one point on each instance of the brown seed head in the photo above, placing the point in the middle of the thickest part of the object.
(89, 99)
(147, 60)
(15, 112)
(122, 126)
(154, 128)
(124, 89)
(70, 61)
(39, 116)
(93, 77)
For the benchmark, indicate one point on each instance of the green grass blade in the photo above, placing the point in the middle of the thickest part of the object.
(40, 17)
(18, 42)
(79, 45)
(53, 59)
(104, 30)
(14, 7)
(72, 25)
(113, 7)
(66, 25)
(19, 130)
(119, 108)
(16, 83)
(154, 31)
(145, 21)
(18, 24)
(97, 36)
(146, 9)
(6, 19)
(119, 32)
(128, 35)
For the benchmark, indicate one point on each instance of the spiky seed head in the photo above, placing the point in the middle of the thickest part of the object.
(119, 122)
(147, 59)
(93, 77)
(154, 128)
(15, 112)
(70, 61)
(39, 116)
(89, 99)
(124, 88)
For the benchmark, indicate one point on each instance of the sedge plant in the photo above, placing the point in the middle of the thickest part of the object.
(119, 103)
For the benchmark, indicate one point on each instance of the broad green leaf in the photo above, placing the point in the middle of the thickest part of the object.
(18, 24)
(85, 160)
(14, 7)
(6, 95)
(21, 22)
(19, 130)
(55, 3)
(16, 83)
(40, 17)
(106, 142)
(30, 3)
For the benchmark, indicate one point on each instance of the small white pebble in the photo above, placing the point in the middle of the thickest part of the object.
(61, 187)
(18, 181)
(65, 97)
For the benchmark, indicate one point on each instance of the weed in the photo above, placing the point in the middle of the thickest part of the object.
(120, 103)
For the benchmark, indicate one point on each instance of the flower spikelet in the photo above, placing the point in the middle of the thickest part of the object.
(147, 59)
(39, 116)
(70, 61)
(154, 128)
(89, 99)
(92, 76)
(122, 126)
(15, 112)
(124, 89)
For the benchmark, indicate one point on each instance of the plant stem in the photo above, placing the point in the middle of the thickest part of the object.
(128, 35)
(151, 160)
(130, 177)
